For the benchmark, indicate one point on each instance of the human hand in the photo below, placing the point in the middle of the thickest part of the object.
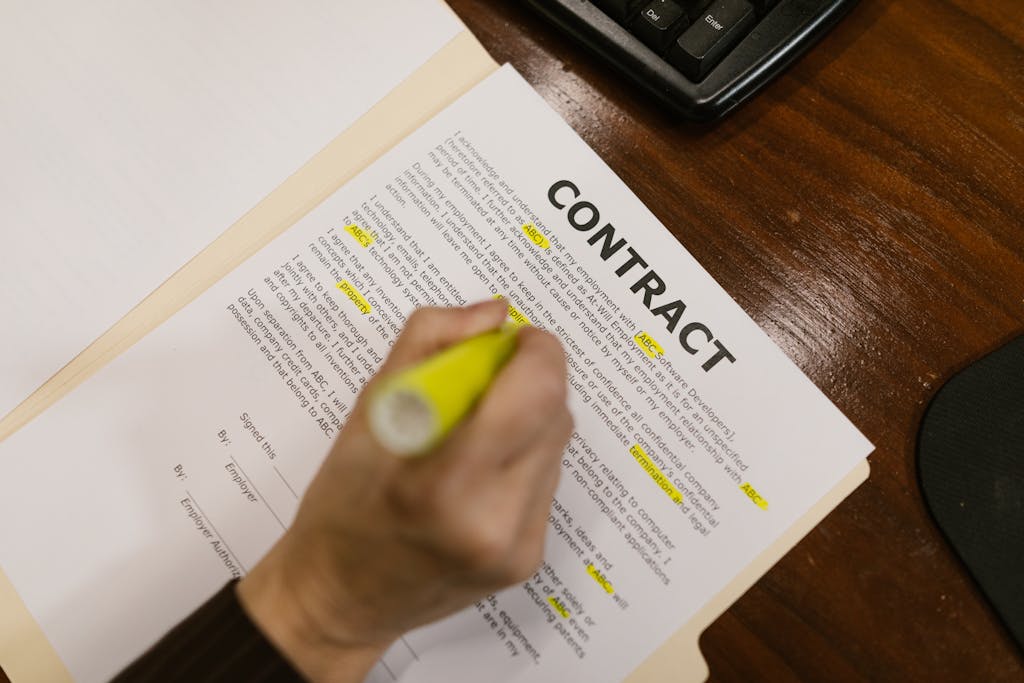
(381, 545)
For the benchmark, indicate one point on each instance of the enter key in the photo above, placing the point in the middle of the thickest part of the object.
(702, 45)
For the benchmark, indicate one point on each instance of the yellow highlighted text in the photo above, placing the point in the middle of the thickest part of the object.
(536, 236)
(348, 290)
(656, 474)
(647, 344)
(754, 496)
(601, 579)
(515, 315)
(559, 607)
(364, 237)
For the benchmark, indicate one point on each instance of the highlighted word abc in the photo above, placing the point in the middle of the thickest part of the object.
(647, 344)
(536, 236)
(754, 496)
(364, 237)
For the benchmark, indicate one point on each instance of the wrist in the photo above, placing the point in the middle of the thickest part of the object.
(285, 604)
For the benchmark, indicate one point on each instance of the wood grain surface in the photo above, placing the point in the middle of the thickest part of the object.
(867, 210)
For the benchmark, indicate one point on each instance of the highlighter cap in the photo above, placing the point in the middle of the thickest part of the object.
(403, 421)
(416, 408)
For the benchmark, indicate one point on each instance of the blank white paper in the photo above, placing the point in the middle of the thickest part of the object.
(132, 133)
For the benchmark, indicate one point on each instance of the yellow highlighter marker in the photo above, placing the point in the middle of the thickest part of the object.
(416, 408)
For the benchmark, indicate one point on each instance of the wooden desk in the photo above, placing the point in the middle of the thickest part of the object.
(867, 210)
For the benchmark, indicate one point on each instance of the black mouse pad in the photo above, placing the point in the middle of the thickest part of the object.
(970, 459)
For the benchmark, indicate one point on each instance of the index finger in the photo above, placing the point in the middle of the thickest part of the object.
(428, 330)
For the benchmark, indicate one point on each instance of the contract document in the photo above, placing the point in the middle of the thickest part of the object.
(175, 468)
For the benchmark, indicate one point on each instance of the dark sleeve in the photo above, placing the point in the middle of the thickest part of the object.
(217, 642)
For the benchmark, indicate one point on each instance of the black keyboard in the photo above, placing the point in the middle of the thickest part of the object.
(701, 57)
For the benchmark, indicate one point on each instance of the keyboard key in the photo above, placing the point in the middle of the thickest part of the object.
(619, 10)
(659, 23)
(702, 45)
(762, 6)
(695, 8)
